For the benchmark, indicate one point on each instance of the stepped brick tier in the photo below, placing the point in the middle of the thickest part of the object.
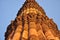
(32, 23)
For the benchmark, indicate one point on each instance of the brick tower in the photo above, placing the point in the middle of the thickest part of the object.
(32, 23)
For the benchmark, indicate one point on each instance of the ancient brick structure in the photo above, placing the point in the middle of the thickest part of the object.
(32, 23)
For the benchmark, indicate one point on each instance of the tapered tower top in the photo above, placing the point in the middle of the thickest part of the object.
(32, 23)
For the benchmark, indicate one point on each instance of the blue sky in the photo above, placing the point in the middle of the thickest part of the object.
(9, 9)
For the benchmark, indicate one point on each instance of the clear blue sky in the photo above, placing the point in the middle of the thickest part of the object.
(9, 9)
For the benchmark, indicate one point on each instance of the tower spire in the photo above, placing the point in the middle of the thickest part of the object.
(31, 23)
